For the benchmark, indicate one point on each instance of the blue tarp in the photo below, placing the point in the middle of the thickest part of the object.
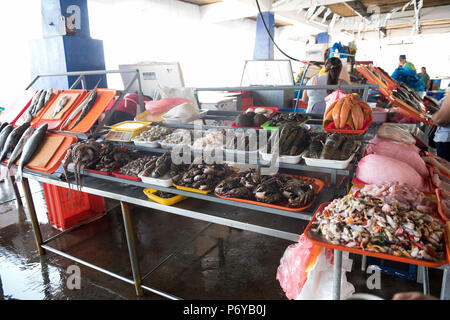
(409, 77)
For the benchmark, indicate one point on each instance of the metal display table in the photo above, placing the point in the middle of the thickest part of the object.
(268, 221)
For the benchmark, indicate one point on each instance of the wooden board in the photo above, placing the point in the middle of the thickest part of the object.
(72, 97)
(49, 147)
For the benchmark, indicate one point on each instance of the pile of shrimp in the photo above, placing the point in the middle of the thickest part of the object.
(374, 225)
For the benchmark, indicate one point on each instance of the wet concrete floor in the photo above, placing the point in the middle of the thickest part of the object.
(221, 263)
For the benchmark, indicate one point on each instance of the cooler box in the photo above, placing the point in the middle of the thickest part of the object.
(67, 208)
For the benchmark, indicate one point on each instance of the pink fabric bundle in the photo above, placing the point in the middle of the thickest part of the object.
(375, 169)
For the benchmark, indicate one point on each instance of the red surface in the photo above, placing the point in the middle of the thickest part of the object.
(104, 97)
(439, 206)
(122, 176)
(67, 208)
(347, 131)
(55, 124)
(275, 110)
(318, 186)
(14, 111)
(104, 173)
(59, 155)
(318, 240)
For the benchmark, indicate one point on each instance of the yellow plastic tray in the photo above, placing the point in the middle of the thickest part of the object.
(191, 189)
(143, 125)
(168, 202)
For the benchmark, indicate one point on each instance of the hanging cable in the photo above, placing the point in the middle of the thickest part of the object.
(271, 38)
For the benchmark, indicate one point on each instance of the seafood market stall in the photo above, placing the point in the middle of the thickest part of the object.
(266, 172)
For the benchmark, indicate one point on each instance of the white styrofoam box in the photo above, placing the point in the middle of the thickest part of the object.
(163, 182)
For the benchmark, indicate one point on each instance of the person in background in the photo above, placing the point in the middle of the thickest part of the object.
(315, 99)
(425, 78)
(441, 119)
(405, 64)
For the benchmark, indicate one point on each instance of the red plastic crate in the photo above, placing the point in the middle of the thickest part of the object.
(67, 208)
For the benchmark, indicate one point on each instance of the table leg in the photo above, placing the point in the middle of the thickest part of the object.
(445, 289)
(337, 274)
(426, 284)
(16, 191)
(33, 217)
(132, 248)
(363, 263)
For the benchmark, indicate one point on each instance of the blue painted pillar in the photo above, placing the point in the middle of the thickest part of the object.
(263, 45)
(66, 45)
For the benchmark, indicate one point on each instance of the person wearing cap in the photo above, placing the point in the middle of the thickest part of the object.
(405, 64)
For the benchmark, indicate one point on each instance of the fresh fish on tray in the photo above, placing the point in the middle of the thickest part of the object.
(4, 134)
(61, 104)
(30, 148)
(19, 147)
(12, 139)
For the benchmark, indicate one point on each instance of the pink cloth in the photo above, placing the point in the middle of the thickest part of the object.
(164, 105)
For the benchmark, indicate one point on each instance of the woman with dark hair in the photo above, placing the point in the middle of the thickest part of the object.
(315, 99)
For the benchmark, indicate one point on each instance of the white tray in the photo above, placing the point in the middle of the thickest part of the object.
(150, 144)
(171, 145)
(327, 163)
(167, 182)
(237, 151)
(285, 159)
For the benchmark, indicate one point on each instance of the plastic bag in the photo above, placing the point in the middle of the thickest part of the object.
(306, 272)
(319, 285)
(294, 265)
(166, 98)
(334, 96)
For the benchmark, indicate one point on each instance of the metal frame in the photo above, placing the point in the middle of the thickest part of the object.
(82, 78)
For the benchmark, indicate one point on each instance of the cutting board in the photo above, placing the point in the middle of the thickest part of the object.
(49, 147)
(72, 97)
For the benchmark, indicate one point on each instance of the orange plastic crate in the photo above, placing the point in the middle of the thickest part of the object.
(67, 208)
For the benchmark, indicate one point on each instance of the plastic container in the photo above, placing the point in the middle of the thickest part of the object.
(67, 208)
(317, 185)
(267, 126)
(328, 163)
(163, 182)
(347, 131)
(274, 111)
(191, 189)
(285, 159)
(380, 114)
(318, 240)
(122, 176)
(166, 201)
(103, 173)
(149, 144)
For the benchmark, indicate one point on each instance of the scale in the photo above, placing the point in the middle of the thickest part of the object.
(127, 130)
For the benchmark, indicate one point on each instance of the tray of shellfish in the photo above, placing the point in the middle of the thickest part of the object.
(419, 238)
(279, 191)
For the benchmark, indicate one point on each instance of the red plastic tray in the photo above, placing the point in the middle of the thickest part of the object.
(16, 109)
(347, 131)
(55, 124)
(439, 206)
(317, 184)
(275, 110)
(59, 155)
(104, 173)
(318, 240)
(122, 176)
(104, 97)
